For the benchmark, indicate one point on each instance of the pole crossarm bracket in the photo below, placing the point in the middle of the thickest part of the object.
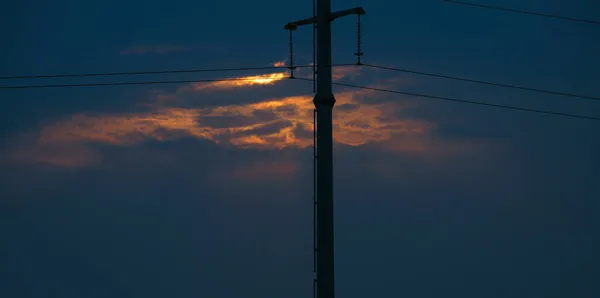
(334, 15)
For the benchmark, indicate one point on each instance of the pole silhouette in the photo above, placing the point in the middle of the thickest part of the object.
(324, 102)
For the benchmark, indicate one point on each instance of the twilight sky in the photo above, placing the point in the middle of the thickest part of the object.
(205, 190)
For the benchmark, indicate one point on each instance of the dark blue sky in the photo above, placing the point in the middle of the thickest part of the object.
(205, 190)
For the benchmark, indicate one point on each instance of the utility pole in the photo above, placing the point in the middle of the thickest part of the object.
(324, 102)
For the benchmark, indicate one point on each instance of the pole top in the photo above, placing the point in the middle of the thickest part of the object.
(332, 16)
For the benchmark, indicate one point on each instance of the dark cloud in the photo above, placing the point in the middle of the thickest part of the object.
(232, 119)
(348, 107)
(155, 49)
(303, 133)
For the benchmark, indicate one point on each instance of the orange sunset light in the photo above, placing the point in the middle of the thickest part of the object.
(264, 79)
(289, 124)
(271, 124)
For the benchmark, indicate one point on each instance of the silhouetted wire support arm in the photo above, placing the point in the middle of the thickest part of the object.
(333, 16)
(468, 101)
(524, 12)
(482, 82)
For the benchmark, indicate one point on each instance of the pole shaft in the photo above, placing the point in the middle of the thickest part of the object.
(324, 102)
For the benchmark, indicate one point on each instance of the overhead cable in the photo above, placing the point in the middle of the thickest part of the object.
(482, 82)
(524, 12)
(126, 83)
(468, 101)
(173, 71)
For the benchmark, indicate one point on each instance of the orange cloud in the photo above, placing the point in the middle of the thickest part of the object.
(279, 63)
(245, 81)
(272, 124)
(338, 73)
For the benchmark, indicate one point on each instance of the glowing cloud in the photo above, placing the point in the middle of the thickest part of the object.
(271, 124)
(264, 79)
(279, 64)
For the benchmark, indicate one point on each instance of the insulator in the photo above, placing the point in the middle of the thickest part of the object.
(358, 53)
(291, 67)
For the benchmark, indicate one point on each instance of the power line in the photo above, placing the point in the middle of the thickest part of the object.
(467, 101)
(152, 72)
(339, 84)
(250, 68)
(125, 83)
(525, 12)
(482, 82)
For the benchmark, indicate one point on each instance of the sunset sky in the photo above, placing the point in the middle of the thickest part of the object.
(205, 189)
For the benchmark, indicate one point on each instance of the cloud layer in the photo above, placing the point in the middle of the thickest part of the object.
(271, 124)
